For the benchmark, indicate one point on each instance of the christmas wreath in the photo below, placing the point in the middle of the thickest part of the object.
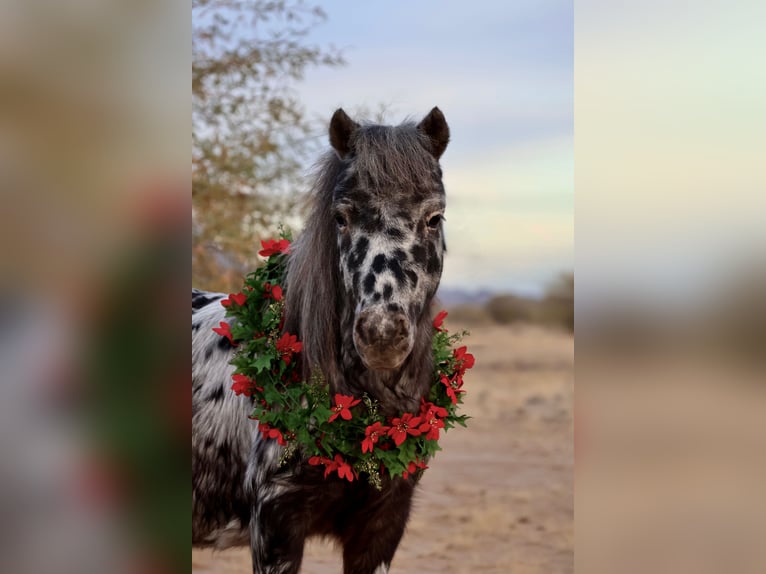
(346, 435)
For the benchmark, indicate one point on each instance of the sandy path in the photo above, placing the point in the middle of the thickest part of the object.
(499, 498)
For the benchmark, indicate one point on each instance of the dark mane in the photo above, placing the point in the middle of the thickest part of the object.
(311, 305)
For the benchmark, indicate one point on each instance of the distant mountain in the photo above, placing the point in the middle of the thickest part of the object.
(451, 297)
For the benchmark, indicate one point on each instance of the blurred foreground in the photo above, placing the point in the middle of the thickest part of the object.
(94, 235)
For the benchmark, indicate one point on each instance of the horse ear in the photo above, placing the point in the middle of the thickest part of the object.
(342, 128)
(435, 127)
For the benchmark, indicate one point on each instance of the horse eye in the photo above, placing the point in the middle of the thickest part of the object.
(435, 220)
(340, 220)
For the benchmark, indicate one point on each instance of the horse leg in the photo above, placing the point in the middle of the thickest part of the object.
(370, 540)
(371, 549)
(277, 538)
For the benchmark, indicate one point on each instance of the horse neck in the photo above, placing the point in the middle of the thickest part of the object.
(397, 390)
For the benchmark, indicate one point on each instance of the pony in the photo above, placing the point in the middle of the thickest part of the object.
(361, 278)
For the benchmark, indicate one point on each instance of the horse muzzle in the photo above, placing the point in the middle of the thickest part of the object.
(383, 339)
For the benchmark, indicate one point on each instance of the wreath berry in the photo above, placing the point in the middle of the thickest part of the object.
(346, 435)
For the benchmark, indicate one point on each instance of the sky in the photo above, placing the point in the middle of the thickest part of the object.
(502, 73)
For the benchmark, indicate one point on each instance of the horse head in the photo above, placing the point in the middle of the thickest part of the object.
(388, 208)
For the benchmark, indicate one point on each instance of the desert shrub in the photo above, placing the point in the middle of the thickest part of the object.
(469, 314)
(735, 318)
(508, 309)
(555, 309)
(557, 306)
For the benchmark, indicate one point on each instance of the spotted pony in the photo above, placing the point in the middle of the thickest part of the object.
(360, 281)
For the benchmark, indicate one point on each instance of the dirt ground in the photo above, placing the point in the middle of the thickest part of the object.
(499, 497)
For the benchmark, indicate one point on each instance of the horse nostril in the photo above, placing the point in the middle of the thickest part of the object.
(395, 330)
(401, 330)
(382, 331)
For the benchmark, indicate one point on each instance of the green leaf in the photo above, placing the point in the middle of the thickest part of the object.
(262, 362)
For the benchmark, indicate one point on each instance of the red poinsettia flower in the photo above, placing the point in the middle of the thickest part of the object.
(344, 469)
(272, 292)
(268, 432)
(243, 385)
(438, 320)
(401, 427)
(330, 465)
(317, 460)
(272, 246)
(287, 345)
(238, 298)
(412, 467)
(463, 359)
(432, 415)
(426, 407)
(453, 386)
(224, 330)
(341, 407)
(431, 427)
(372, 434)
(337, 464)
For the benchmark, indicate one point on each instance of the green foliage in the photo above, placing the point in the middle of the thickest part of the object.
(332, 431)
(250, 134)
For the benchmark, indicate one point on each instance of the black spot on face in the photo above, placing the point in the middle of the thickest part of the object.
(376, 297)
(395, 233)
(419, 254)
(195, 327)
(359, 253)
(379, 263)
(396, 269)
(393, 308)
(369, 283)
(434, 261)
(208, 353)
(345, 243)
(388, 292)
(413, 277)
(224, 344)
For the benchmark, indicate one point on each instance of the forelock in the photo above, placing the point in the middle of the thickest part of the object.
(386, 156)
